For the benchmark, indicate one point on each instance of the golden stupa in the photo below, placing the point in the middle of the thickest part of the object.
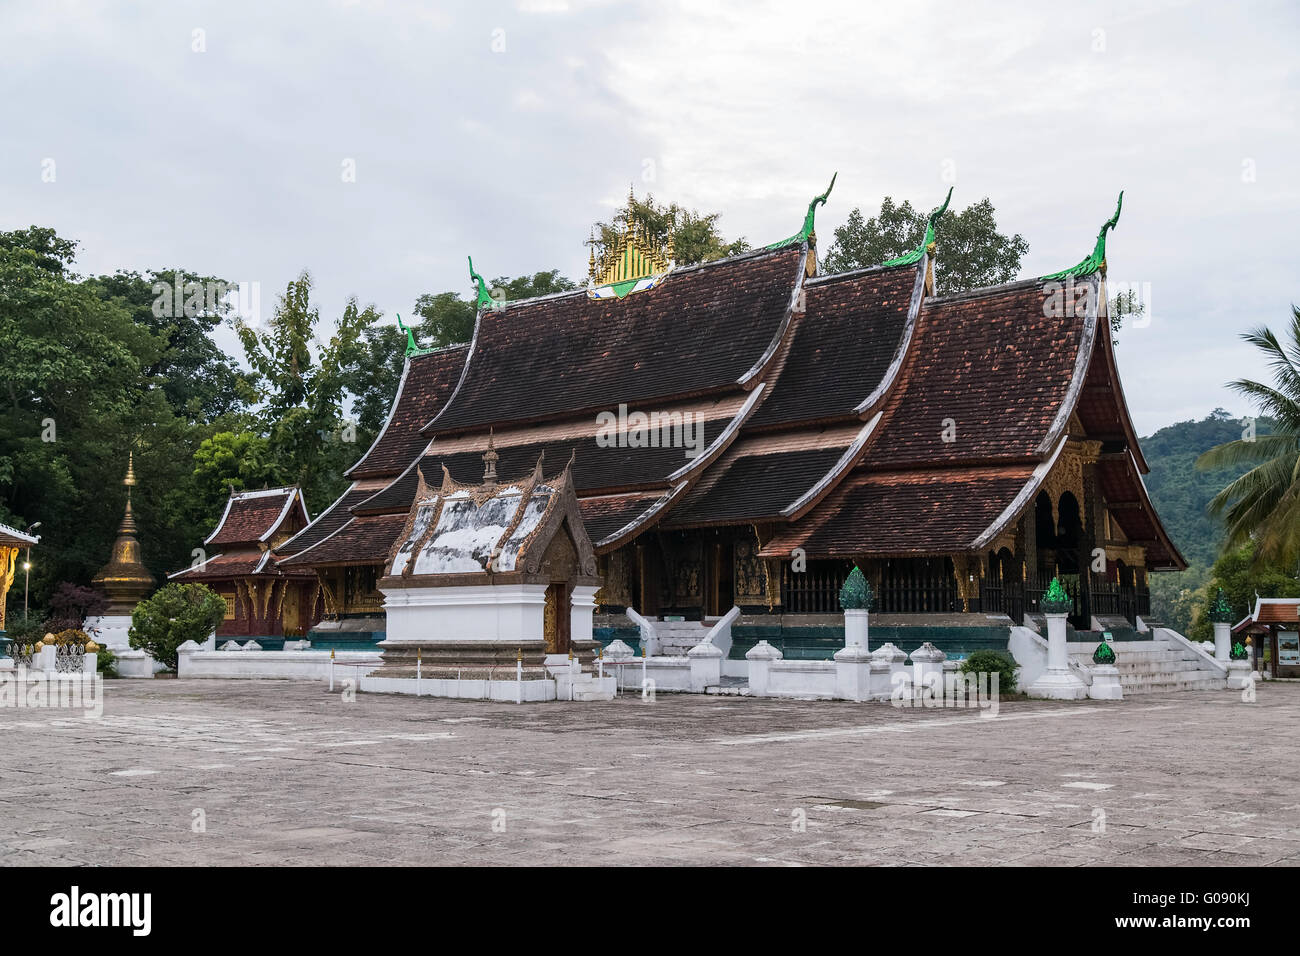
(125, 581)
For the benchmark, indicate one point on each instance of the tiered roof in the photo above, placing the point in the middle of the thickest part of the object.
(823, 400)
(13, 538)
(252, 525)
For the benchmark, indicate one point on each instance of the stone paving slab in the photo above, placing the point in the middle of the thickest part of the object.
(284, 773)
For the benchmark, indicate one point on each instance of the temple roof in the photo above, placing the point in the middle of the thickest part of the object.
(328, 521)
(428, 379)
(707, 329)
(853, 412)
(13, 538)
(239, 564)
(254, 517)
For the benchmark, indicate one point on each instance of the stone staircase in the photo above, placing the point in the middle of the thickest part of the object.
(1152, 667)
(678, 637)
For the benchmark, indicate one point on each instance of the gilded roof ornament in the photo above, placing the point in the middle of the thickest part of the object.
(1097, 261)
(927, 242)
(639, 257)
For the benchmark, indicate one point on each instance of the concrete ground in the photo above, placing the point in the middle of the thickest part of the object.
(267, 772)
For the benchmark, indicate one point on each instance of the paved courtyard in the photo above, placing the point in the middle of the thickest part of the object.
(285, 773)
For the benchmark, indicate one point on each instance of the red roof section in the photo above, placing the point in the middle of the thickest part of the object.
(427, 382)
(255, 516)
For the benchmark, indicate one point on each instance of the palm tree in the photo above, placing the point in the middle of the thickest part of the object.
(1263, 505)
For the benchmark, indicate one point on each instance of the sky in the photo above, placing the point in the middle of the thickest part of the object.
(377, 144)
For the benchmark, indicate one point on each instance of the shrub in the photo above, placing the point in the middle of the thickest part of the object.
(989, 662)
(25, 631)
(105, 662)
(174, 615)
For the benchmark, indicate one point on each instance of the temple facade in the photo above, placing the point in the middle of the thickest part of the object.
(744, 432)
(12, 544)
(263, 600)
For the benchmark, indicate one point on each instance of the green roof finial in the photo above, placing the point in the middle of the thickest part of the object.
(484, 296)
(412, 346)
(1097, 261)
(808, 219)
(913, 257)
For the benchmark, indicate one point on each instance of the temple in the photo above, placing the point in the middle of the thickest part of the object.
(262, 599)
(744, 432)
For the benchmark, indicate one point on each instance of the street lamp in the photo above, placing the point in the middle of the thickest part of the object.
(27, 570)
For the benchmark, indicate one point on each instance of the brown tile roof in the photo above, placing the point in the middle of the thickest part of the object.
(842, 345)
(326, 523)
(904, 513)
(427, 383)
(755, 486)
(362, 540)
(253, 516)
(1278, 613)
(996, 364)
(239, 564)
(594, 468)
(700, 331)
(606, 515)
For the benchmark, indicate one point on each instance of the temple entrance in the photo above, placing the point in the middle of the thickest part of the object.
(290, 611)
(722, 588)
(557, 623)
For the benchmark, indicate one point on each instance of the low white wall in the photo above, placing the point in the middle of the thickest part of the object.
(506, 691)
(668, 673)
(276, 665)
(814, 679)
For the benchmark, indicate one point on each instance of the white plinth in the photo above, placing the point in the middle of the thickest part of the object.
(1222, 641)
(110, 630)
(1058, 682)
(855, 628)
(1240, 675)
(1105, 683)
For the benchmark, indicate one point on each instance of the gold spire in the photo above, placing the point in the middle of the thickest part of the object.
(634, 252)
(125, 580)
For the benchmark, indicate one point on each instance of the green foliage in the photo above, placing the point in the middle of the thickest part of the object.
(106, 663)
(173, 615)
(1263, 504)
(24, 630)
(1124, 305)
(969, 250)
(301, 385)
(994, 662)
(1241, 575)
(240, 460)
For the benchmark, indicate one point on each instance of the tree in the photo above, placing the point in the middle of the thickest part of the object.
(1263, 505)
(233, 460)
(1124, 305)
(183, 308)
(969, 249)
(71, 604)
(302, 384)
(1243, 576)
(173, 615)
(696, 237)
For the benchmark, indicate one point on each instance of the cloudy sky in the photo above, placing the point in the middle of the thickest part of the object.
(217, 137)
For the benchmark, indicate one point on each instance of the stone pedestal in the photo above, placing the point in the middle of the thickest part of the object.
(109, 630)
(1222, 641)
(1058, 682)
(760, 658)
(706, 666)
(1240, 675)
(853, 669)
(1105, 683)
(927, 669)
(855, 628)
(130, 663)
